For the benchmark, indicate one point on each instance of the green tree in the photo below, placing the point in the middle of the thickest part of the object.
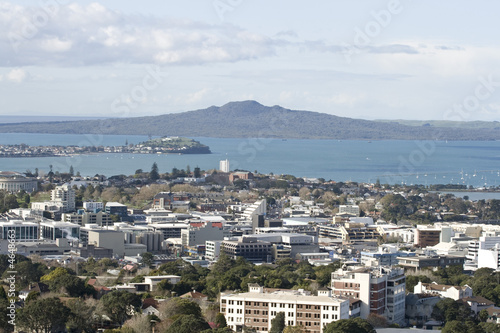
(43, 315)
(490, 327)
(455, 326)
(278, 323)
(356, 325)
(188, 324)
(197, 172)
(412, 281)
(119, 305)
(294, 329)
(70, 284)
(483, 315)
(81, 318)
(220, 320)
(147, 259)
(59, 271)
(180, 306)
(28, 272)
(448, 310)
(153, 174)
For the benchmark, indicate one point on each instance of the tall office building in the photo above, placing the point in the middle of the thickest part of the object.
(224, 165)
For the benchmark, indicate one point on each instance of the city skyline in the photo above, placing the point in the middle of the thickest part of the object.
(369, 59)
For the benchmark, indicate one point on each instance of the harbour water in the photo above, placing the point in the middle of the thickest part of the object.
(473, 163)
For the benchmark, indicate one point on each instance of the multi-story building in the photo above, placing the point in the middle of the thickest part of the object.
(24, 231)
(249, 248)
(453, 292)
(224, 165)
(259, 306)
(109, 239)
(66, 196)
(350, 232)
(426, 236)
(486, 242)
(381, 290)
(92, 206)
(152, 240)
(168, 200)
(489, 258)
(101, 218)
(11, 181)
(116, 208)
(52, 230)
(198, 233)
(212, 250)
(169, 230)
(349, 209)
(430, 261)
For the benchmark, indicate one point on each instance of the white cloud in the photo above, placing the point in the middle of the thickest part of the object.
(93, 35)
(17, 75)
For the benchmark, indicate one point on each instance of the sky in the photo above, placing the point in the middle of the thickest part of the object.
(395, 59)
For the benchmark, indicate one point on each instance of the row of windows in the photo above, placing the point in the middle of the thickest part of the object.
(256, 312)
(256, 320)
(256, 303)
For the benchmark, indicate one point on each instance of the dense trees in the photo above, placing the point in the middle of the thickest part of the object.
(356, 325)
(120, 305)
(43, 315)
(448, 309)
(188, 324)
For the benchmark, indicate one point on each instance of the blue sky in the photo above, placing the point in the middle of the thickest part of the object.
(397, 59)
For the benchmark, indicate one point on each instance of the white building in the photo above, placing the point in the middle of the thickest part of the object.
(91, 206)
(65, 195)
(349, 209)
(154, 280)
(259, 207)
(258, 307)
(11, 181)
(381, 290)
(453, 292)
(224, 165)
(489, 258)
(484, 251)
(194, 236)
(212, 250)
(52, 230)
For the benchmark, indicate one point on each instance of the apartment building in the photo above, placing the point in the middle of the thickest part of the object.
(426, 236)
(453, 292)
(349, 209)
(198, 233)
(259, 306)
(65, 195)
(102, 219)
(381, 290)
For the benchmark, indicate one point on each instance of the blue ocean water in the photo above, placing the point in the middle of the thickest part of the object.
(409, 162)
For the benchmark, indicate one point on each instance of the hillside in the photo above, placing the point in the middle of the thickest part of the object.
(251, 119)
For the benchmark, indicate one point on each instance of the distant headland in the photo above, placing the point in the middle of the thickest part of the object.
(164, 145)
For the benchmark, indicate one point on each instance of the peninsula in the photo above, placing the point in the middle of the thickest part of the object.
(164, 145)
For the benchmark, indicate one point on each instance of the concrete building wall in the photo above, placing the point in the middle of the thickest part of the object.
(108, 239)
